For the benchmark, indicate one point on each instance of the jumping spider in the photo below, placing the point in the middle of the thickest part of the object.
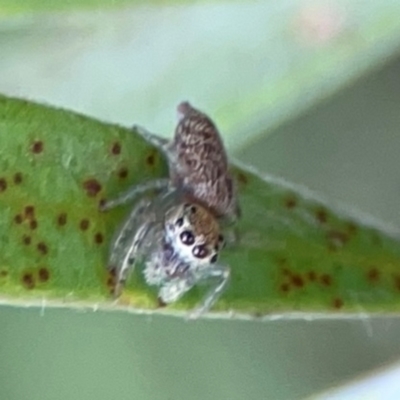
(177, 234)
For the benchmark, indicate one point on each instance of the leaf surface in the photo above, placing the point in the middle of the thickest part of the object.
(296, 253)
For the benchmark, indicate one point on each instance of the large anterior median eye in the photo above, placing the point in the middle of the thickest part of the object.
(200, 251)
(187, 237)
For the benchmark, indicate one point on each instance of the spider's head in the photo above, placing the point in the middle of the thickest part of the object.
(194, 234)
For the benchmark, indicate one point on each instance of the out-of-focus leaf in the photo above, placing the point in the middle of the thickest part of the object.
(295, 253)
(254, 64)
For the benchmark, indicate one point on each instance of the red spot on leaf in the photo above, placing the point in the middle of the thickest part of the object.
(37, 147)
(62, 219)
(18, 178)
(84, 224)
(33, 224)
(98, 238)
(28, 280)
(337, 303)
(297, 281)
(290, 202)
(321, 215)
(326, 280)
(43, 274)
(42, 248)
(151, 159)
(396, 279)
(26, 239)
(284, 287)
(373, 275)
(92, 187)
(3, 185)
(116, 148)
(123, 173)
(29, 212)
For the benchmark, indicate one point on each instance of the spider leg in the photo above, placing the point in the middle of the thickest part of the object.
(157, 141)
(173, 290)
(126, 245)
(127, 264)
(220, 275)
(134, 192)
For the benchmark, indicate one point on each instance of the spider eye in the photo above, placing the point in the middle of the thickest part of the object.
(214, 259)
(200, 251)
(221, 238)
(187, 238)
(193, 209)
(179, 222)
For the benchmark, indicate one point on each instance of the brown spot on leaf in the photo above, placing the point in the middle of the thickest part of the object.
(321, 215)
(337, 303)
(92, 187)
(290, 202)
(116, 148)
(33, 224)
(3, 185)
(98, 238)
(123, 173)
(150, 159)
(37, 147)
(18, 178)
(373, 275)
(42, 248)
(284, 287)
(84, 224)
(29, 212)
(297, 281)
(26, 239)
(3, 273)
(326, 280)
(396, 279)
(62, 219)
(242, 178)
(28, 280)
(18, 219)
(43, 274)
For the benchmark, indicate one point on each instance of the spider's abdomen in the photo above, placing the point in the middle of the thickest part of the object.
(201, 164)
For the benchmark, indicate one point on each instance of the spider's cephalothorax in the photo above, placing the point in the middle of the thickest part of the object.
(178, 243)
(198, 165)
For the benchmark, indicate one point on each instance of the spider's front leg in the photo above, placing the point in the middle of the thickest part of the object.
(128, 243)
(159, 142)
(133, 192)
(220, 276)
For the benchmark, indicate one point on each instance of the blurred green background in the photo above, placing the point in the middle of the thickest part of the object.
(309, 91)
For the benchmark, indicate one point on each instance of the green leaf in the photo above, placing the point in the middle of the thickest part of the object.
(295, 254)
